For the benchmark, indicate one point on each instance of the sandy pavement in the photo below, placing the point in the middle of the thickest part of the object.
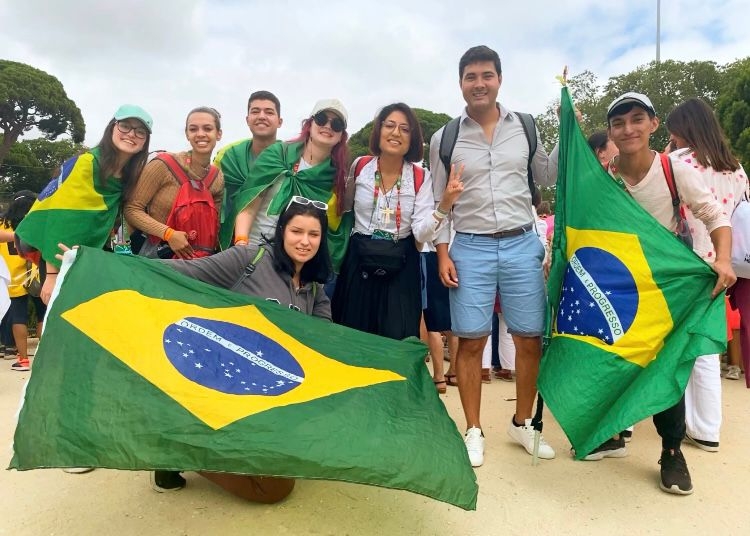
(557, 497)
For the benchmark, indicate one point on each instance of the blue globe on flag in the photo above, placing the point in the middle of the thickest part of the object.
(229, 358)
(599, 297)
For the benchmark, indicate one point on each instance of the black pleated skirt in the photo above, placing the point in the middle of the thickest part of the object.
(390, 307)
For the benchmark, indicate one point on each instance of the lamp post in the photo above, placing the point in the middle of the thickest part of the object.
(658, 31)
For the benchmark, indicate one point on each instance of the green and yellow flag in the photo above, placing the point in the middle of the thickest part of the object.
(143, 368)
(630, 305)
(77, 207)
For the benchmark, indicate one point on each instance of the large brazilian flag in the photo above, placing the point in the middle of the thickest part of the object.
(630, 305)
(143, 368)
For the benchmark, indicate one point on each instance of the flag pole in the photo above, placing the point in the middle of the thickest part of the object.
(536, 421)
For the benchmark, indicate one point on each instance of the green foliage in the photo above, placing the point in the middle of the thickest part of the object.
(733, 109)
(431, 122)
(31, 163)
(31, 98)
(667, 84)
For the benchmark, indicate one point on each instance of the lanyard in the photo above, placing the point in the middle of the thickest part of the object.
(387, 211)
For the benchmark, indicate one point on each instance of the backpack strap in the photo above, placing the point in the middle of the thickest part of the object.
(210, 177)
(418, 177)
(249, 268)
(527, 122)
(173, 166)
(180, 174)
(360, 164)
(666, 166)
(448, 142)
(351, 185)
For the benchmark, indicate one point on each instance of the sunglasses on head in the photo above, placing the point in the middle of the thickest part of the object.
(321, 119)
(305, 201)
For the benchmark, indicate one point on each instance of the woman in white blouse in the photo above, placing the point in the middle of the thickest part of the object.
(700, 143)
(378, 288)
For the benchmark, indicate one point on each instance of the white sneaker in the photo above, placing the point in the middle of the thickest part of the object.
(524, 435)
(77, 470)
(474, 441)
(733, 373)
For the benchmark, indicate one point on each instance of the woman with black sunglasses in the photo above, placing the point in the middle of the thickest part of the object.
(312, 166)
(82, 204)
(378, 289)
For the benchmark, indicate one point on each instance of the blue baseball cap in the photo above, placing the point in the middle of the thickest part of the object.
(127, 111)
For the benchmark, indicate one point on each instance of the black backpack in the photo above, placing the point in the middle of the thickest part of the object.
(450, 135)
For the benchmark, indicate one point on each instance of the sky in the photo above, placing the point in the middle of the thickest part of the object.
(170, 56)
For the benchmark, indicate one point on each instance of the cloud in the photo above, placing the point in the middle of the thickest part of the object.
(172, 55)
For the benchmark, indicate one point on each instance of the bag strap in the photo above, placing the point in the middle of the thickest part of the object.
(666, 166)
(527, 122)
(418, 177)
(351, 186)
(210, 177)
(174, 167)
(448, 143)
(249, 268)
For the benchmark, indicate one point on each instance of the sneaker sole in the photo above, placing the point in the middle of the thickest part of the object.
(596, 456)
(675, 490)
(707, 448)
(21, 369)
(77, 470)
(157, 488)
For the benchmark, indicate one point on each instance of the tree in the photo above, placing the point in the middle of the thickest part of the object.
(733, 108)
(431, 122)
(30, 164)
(30, 98)
(586, 93)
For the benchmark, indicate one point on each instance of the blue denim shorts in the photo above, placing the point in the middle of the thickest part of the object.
(485, 266)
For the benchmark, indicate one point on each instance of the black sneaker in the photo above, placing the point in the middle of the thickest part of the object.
(611, 448)
(708, 446)
(627, 435)
(165, 481)
(675, 477)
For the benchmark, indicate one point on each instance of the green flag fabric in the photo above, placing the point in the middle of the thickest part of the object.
(142, 368)
(235, 161)
(630, 305)
(277, 163)
(77, 207)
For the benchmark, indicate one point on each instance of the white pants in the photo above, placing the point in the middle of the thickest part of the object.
(703, 399)
(507, 348)
(487, 354)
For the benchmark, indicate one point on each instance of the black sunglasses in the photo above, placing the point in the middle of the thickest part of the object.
(321, 119)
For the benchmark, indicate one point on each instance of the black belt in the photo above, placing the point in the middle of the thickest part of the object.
(506, 234)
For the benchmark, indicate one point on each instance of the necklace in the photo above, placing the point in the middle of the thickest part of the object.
(189, 162)
(387, 210)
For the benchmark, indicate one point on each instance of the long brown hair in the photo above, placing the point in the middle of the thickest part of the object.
(108, 160)
(696, 123)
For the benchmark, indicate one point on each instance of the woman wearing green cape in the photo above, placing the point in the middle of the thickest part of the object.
(313, 166)
(82, 204)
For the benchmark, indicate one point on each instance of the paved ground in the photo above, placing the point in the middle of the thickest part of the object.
(558, 497)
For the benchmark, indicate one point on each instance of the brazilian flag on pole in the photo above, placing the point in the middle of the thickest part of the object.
(630, 305)
(143, 368)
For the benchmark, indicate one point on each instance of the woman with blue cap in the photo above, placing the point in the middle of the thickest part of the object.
(83, 203)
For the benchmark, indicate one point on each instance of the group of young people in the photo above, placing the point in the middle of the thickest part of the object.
(341, 241)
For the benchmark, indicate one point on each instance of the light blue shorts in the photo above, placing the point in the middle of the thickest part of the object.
(485, 266)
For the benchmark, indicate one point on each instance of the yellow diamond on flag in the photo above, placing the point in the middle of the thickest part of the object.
(220, 364)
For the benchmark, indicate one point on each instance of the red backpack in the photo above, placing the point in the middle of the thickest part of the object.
(193, 210)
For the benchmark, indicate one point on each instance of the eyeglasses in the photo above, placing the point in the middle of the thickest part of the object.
(305, 201)
(321, 119)
(402, 127)
(139, 132)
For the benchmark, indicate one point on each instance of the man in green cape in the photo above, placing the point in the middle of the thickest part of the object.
(236, 160)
